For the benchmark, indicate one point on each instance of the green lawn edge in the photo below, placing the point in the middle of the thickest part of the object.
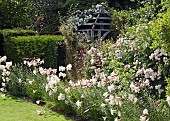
(15, 109)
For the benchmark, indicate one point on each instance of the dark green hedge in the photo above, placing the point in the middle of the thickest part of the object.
(16, 32)
(45, 47)
(6, 34)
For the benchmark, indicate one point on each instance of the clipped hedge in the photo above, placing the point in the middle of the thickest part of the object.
(45, 47)
(6, 34)
(16, 32)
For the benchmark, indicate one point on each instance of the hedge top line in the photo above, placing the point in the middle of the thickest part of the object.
(17, 32)
(38, 38)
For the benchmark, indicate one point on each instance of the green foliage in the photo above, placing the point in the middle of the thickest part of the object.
(44, 47)
(168, 87)
(17, 86)
(22, 110)
(123, 19)
(161, 30)
(73, 41)
(23, 82)
(7, 33)
(127, 76)
(14, 13)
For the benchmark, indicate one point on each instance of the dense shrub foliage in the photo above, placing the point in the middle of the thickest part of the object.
(14, 13)
(43, 15)
(125, 79)
(45, 47)
(161, 30)
(7, 33)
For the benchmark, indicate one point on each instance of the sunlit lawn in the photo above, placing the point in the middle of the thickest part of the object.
(14, 109)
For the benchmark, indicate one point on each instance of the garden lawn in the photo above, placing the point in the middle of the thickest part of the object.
(14, 109)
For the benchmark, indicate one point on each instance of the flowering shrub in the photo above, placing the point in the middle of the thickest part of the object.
(4, 69)
(122, 80)
(109, 89)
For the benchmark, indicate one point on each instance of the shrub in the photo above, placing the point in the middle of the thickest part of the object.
(124, 19)
(7, 33)
(45, 47)
(108, 89)
(161, 30)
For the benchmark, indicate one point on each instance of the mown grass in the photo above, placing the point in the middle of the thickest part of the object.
(15, 109)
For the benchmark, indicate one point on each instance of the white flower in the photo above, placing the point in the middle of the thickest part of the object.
(134, 87)
(117, 119)
(89, 52)
(3, 59)
(62, 68)
(78, 104)
(54, 79)
(119, 114)
(112, 87)
(62, 75)
(158, 86)
(46, 87)
(34, 72)
(160, 91)
(71, 83)
(132, 98)
(118, 101)
(38, 102)
(82, 96)
(94, 81)
(143, 118)
(3, 84)
(112, 111)
(41, 62)
(8, 64)
(19, 80)
(104, 118)
(61, 96)
(54, 71)
(67, 90)
(111, 100)
(30, 82)
(151, 57)
(34, 91)
(92, 61)
(145, 112)
(127, 66)
(5, 73)
(3, 95)
(40, 112)
(99, 84)
(69, 66)
(78, 83)
(34, 63)
(139, 72)
(168, 100)
(2, 67)
(106, 94)
(25, 62)
(103, 105)
(29, 64)
(146, 82)
(118, 54)
(86, 110)
(3, 89)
